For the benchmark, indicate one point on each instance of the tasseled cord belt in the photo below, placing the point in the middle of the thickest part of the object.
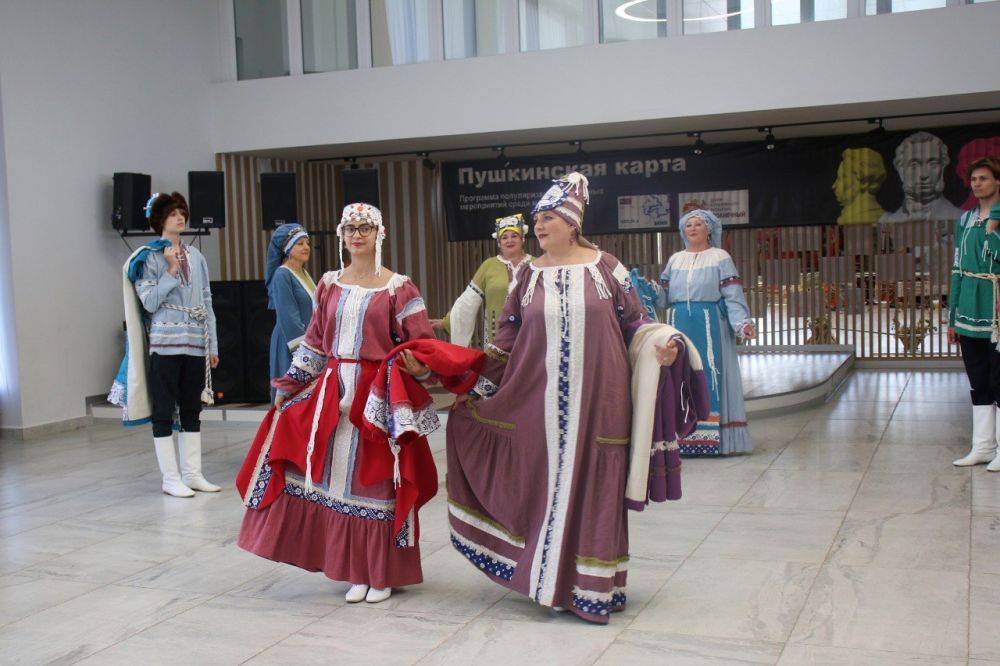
(995, 318)
(199, 313)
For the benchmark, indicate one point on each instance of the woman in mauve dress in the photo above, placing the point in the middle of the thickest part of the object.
(537, 470)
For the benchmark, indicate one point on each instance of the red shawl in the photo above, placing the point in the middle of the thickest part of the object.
(283, 437)
(399, 415)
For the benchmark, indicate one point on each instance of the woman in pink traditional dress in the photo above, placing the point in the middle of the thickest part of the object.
(306, 505)
(537, 473)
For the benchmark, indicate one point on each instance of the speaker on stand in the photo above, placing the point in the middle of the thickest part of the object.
(207, 199)
(277, 200)
(131, 192)
(360, 186)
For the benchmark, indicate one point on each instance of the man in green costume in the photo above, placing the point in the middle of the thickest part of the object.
(973, 322)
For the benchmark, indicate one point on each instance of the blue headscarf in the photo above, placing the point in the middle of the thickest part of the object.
(714, 226)
(283, 240)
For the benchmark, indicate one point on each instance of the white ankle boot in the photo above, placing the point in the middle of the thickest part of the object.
(190, 446)
(995, 465)
(984, 437)
(166, 457)
(356, 593)
(375, 595)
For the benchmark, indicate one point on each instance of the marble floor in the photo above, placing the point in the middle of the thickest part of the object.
(846, 538)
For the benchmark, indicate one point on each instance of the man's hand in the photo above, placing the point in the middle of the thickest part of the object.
(173, 263)
(952, 337)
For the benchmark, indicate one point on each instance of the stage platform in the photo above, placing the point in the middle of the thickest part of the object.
(774, 380)
(781, 378)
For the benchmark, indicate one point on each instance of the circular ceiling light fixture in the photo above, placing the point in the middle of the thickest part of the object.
(622, 12)
(713, 18)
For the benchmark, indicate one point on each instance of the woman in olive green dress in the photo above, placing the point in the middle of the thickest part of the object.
(489, 286)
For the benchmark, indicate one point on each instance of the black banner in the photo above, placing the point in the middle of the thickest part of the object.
(852, 179)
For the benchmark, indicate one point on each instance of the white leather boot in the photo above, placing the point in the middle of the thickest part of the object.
(375, 595)
(166, 457)
(984, 436)
(190, 446)
(995, 465)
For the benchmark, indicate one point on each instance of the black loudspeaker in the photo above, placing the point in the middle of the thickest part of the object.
(229, 378)
(128, 208)
(243, 324)
(277, 199)
(258, 323)
(360, 186)
(207, 199)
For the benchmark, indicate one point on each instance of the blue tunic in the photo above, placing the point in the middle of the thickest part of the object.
(293, 306)
(704, 296)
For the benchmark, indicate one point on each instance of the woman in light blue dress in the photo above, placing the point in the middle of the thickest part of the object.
(703, 294)
(290, 291)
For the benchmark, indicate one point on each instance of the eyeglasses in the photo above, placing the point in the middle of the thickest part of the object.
(364, 230)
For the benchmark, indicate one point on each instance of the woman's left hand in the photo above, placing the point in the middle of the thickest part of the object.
(411, 365)
(668, 354)
(214, 361)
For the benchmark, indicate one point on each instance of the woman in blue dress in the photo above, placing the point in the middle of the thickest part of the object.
(703, 294)
(290, 292)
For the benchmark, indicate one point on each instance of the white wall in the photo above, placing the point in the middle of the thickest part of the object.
(10, 403)
(862, 60)
(90, 87)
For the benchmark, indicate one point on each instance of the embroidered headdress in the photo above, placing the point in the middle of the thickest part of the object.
(513, 223)
(358, 214)
(567, 197)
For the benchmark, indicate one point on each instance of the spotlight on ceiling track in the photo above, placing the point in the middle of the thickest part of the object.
(353, 161)
(879, 128)
(769, 142)
(579, 147)
(428, 163)
(699, 145)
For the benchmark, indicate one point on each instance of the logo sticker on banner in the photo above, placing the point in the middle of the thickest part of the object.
(644, 211)
(730, 206)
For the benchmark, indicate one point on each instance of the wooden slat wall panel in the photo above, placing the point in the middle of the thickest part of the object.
(859, 281)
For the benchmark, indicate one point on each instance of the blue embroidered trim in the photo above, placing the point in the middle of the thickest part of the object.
(484, 561)
(411, 308)
(300, 397)
(599, 607)
(261, 486)
(299, 375)
(699, 449)
(562, 287)
(357, 511)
